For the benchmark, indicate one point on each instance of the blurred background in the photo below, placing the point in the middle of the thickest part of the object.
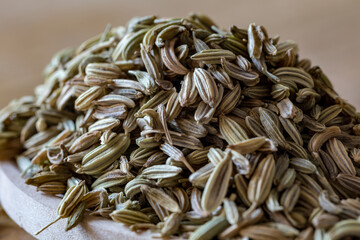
(31, 31)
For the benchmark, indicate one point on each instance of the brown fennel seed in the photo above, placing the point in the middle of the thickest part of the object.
(229, 134)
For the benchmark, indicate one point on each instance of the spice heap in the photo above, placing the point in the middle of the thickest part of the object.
(180, 127)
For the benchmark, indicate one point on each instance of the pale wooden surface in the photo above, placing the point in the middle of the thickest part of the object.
(33, 210)
(327, 31)
(10, 231)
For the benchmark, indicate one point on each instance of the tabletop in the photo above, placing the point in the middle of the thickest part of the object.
(327, 31)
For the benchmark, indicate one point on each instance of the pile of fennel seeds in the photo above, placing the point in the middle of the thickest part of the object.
(180, 127)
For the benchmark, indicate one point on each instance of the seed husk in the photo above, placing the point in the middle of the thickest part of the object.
(216, 185)
(213, 56)
(210, 229)
(262, 232)
(188, 92)
(129, 217)
(248, 146)
(161, 171)
(231, 130)
(101, 157)
(349, 182)
(261, 181)
(272, 129)
(338, 152)
(161, 198)
(206, 86)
